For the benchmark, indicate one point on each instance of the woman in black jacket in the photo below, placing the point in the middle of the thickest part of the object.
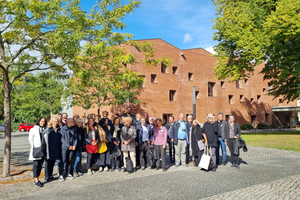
(115, 143)
(91, 143)
(104, 159)
(210, 130)
(197, 136)
(232, 134)
(79, 148)
(52, 139)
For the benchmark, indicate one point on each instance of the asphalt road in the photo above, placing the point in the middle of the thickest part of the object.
(264, 174)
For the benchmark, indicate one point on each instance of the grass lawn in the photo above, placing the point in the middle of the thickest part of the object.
(288, 140)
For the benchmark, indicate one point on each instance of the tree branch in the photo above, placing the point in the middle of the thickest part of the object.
(6, 27)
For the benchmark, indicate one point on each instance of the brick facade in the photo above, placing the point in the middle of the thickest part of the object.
(195, 67)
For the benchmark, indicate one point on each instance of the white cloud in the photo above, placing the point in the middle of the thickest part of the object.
(211, 50)
(187, 38)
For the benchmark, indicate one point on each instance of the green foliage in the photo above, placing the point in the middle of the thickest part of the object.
(262, 126)
(246, 127)
(256, 31)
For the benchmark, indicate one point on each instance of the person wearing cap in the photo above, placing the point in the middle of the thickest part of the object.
(210, 131)
(180, 137)
(69, 143)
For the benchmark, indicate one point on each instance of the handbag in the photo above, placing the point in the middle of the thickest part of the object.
(37, 152)
(129, 164)
(206, 161)
(117, 152)
(102, 147)
(201, 145)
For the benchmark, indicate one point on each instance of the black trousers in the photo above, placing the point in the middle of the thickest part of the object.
(49, 165)
(90, 159)
(161, 154)
(198, 156)
(231, 144)
(171, 150)
(137, 155)
(67, 158)
(144, 154)
(37, 167)
(187, 153)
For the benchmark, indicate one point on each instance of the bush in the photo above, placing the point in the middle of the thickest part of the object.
(246, 127)
(273, 126)
(262, 126)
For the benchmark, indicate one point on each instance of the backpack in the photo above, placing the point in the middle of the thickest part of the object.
(129, 164)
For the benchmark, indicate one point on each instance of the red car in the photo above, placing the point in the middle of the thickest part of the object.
(25, 127)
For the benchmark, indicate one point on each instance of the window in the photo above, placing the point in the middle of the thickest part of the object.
(163, 68)
(269, 86)
(253, 120)
(264, 89)
(125, 64)
(222, 84)
(238, 84)
(175, 70)
(230, 99)
(251, 100)
(190, 76)
(143, 84)
(246, 81)
(153, 78)
(197, 92)
(280, 101)
(211, 89)
(258, 97)
(241, 98)
(166, 117)
(172, 95)
(266, 117)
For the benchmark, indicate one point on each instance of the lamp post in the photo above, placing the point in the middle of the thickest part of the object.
(194, 101)
(127, 102)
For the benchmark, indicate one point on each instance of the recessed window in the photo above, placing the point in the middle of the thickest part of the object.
(222, 84)
(172, 95)
(266, 117)
(280, 101)
(197, 94)
(190, 76)
(264, 89)
(211, 89)
(251, 100)
(230, 98)
(241, 98)
(175, 70)
(237, 82)
(125, 65)
(246, 81)
(269, 86)
(258, 98)
(153, 78)
(143, 84)
(163, 68)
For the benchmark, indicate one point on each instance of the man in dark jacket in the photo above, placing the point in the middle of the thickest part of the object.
(180, 138)
(69, 143)
(221, 136)
(169, 126)
(145, 135)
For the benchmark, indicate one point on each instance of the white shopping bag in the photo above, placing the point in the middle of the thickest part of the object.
(205, 159)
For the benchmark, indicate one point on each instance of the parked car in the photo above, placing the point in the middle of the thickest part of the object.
(2, 128)
(25, 127)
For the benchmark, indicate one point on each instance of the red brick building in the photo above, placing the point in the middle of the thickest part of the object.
(168, 90)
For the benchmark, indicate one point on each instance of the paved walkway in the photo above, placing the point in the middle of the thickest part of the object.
(264, 174)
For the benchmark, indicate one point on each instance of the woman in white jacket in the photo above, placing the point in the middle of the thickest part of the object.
(35, 140)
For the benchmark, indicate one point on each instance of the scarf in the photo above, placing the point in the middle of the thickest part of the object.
(117, 128)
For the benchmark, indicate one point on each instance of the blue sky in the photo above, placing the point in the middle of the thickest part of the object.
(183, 23)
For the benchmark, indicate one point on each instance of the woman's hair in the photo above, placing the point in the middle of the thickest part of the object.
(50, 124)
(102, 121)
(128, 120)
(38, 121)
(116, 119)
(159, 119)
(210, 116)
(79, 120)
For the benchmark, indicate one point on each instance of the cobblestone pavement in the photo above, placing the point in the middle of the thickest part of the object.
(264, 174)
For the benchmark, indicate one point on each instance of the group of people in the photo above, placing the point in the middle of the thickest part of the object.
(109, 143)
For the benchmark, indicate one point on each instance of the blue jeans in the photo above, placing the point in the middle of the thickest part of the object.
(76, 162)
(223, 146)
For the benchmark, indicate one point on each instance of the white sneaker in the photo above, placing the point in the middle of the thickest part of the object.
(70, 176)
(106, 169)
(61, 178)
(100, 169)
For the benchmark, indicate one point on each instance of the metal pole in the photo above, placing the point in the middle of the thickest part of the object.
(194, 101)
(127, 102)
(84, 115)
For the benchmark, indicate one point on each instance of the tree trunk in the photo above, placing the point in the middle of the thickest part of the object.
(7, 122)
(98, 112)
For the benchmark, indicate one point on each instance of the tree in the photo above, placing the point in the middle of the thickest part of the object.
(41, 95)
(40, 35)
(260, 31)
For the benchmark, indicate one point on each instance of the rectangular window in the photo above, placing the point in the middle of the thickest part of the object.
(197, 93)
(258, 98)
(237, 82)
(264, 89)
(269, 86)
(172, 95)
(246, 81)
(153, 78)
(253, 120)
(175, 70)
(211, 89)
(166, 117)
(251, 100)
(163, 68)
(190, 76)
(280, 102)
(266, 117)
(230, 99)
(222, 84)
(241, 98)
(143, 84)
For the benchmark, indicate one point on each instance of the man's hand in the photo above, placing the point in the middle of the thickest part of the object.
(74, 147)
(164, 146)
(106, 140)
(136, 144)
(172, 140)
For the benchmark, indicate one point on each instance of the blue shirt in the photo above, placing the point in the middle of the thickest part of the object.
(145, 133)
(182, 131)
